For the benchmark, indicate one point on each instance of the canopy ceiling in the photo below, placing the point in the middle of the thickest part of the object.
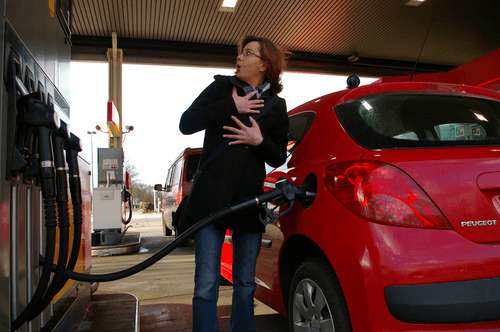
(386, 36)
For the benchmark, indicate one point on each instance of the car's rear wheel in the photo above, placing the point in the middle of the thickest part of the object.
(317, 302)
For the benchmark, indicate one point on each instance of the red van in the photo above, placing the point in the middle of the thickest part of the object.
(177, 185)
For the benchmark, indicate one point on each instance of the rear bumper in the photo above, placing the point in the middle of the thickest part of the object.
(470, 301)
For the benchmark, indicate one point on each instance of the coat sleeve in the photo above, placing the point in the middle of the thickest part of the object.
(207, 110)
(273, 148)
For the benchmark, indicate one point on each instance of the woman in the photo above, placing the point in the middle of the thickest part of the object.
(235, 174)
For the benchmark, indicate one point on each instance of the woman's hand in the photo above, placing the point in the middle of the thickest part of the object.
(245, 135)
(244, 104)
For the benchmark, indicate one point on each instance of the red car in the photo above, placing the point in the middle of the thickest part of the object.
(404, 231)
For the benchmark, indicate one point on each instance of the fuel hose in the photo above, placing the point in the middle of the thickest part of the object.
(128, 198)
(72, 147)
(59, 136)
(279, 192)
(47, 176)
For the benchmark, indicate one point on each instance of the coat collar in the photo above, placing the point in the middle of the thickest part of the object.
(234, 81)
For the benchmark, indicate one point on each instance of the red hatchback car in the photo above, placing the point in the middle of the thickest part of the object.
(404, 231)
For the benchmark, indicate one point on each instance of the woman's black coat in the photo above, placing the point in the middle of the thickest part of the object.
(237, 173)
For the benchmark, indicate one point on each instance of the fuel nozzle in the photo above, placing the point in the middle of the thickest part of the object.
(284, 191)
(73, 146)
(46, 119)
(38, 113)
(32, 114)
(289, 193)
(59, 136)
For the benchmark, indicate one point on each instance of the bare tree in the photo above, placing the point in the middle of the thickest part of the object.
(138, 189)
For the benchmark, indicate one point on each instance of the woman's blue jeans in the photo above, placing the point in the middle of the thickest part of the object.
(208, 246)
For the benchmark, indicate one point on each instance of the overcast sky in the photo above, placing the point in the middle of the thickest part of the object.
(153, 100)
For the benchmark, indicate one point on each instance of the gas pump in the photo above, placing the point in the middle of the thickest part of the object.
(111, 198)
(37, 216)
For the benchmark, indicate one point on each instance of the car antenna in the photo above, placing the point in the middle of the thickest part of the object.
(415, 66)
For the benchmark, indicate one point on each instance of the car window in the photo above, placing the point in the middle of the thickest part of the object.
(192, 165)
(168, 177)
(298, 126)
(176, 173)
(391, 120)
(168, 183)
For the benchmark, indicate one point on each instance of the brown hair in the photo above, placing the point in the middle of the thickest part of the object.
(273, 56)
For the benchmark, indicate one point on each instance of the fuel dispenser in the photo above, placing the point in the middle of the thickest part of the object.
(111, 199)
(37, 215)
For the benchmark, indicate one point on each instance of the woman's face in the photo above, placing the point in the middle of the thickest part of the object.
(249, 66)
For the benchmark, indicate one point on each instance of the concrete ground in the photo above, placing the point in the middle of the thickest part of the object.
(165, 289)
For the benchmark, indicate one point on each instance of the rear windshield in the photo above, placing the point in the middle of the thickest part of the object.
(385, 121)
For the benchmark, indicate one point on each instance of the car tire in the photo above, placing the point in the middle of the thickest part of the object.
(315, 283)
(166, 231)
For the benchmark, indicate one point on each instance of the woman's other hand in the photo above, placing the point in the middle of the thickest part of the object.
(245, 135)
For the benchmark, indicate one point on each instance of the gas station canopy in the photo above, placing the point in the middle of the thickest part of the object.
(369, 38)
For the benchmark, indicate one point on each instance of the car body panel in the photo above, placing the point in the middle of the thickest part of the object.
(366, 256)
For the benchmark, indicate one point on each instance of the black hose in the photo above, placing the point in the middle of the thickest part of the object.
(47, 176)
(45, 119)
(77, 221)
(128, 197)
(145, 264)
(72, 147)
(59, 276)
(220, 214)
(59, 280)
(50, 224)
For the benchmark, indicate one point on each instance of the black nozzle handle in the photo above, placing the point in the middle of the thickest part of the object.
(38, 113)
(47, 170)
(59, 136)
(72, 146)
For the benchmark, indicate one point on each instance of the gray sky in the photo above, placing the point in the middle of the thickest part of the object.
(153, 100)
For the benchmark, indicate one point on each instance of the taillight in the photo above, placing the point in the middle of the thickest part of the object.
(382, 193)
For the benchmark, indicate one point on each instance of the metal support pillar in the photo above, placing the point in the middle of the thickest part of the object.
(115, 61)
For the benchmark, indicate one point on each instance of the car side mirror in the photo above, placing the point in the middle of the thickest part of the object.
(158, 187)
